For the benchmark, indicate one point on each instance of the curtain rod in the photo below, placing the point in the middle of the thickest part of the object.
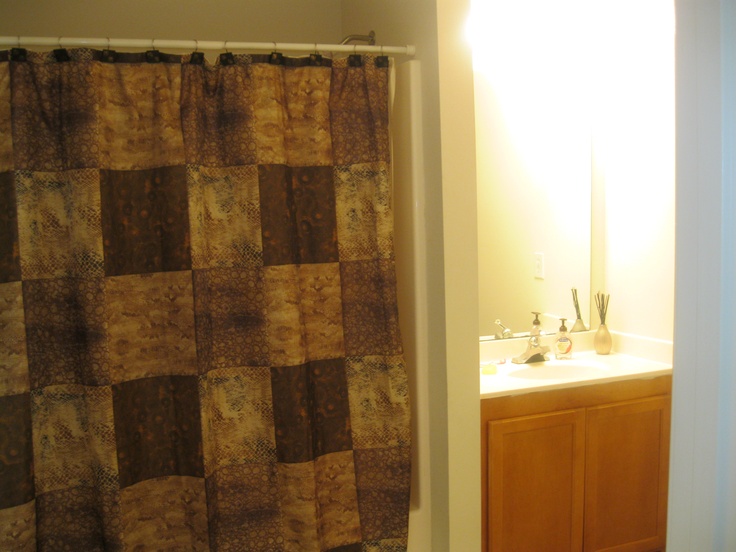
(156, 43)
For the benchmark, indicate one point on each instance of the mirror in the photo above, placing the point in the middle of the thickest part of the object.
(533, 140)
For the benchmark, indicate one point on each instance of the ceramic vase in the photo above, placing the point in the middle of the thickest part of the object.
(602, 340)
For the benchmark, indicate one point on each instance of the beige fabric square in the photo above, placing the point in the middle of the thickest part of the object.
(291, 116)
(364, 211)
(308, 140)
(151, 325)
(139, 115)
(378, 392)
(59, 228)
(321, 308)
(304, 306)
(169, 511)
(224, 208)
(237, 417)
(6, 130)
(13, 355)
(298, 507)
(73, 438)
(18, 527)
(337, 498)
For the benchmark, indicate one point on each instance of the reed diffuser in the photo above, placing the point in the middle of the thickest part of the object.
(602, 339)
(579, 325)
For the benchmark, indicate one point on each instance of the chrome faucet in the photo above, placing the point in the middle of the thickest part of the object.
(535, 351)
(505, 334)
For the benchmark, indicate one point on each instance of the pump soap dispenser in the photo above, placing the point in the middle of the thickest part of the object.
(563, 343)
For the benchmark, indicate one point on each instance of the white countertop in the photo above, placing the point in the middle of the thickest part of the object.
(652, 359)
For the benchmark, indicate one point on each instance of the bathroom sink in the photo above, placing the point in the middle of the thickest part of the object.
(559, 370)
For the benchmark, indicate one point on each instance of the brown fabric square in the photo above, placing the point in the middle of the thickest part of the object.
(237, 417)
(151, 325)
(297, 215)
(370, 314)
(244, 511)
(6, 125)
(54, 115)
(59, 216)
(379, 401)
(74, 438)
(293, 406)
(383, 479)
(69, 519)
(16, 451)
(139, 115)
(9, 247)
(67, 337)
(231, 324)
(226, 219)
(385, 545)
(365, 223)
(311, 410)
(13, 356)
(158, 430)
(357, 547)
(337, 499)
(166, 513)
(145, 220)
(217, 115)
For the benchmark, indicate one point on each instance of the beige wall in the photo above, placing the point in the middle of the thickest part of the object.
(451, 277)
(254, 20)
(446, 514)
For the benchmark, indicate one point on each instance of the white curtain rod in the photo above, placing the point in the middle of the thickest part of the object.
(156, 44)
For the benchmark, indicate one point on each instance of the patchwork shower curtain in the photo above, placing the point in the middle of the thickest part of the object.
(199, 343)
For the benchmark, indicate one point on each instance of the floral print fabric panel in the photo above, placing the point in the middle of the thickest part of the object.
(199, 340)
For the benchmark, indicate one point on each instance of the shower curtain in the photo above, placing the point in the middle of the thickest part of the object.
(199, 342)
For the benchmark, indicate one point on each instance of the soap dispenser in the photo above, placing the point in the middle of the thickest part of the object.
(563, 343)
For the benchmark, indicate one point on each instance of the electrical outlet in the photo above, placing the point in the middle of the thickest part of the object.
(539, 266)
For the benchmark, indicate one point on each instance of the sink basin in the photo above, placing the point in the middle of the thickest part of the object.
(559, 370)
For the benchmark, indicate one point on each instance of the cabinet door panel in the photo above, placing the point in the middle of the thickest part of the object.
(536, 482)
(627, 458)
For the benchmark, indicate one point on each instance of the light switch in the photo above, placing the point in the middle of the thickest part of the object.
(539, 266)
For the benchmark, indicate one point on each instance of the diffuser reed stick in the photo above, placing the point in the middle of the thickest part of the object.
(602, 341)
(601, 303)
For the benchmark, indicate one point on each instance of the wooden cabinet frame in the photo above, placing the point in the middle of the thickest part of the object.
(617, 420)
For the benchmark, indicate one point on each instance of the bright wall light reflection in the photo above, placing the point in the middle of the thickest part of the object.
(601, 70)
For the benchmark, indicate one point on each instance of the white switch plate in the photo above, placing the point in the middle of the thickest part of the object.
(539, 266)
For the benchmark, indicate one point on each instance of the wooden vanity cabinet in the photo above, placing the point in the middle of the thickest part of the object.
(582, 469)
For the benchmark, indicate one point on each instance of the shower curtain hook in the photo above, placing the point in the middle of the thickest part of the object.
(108, 42)
(196, 45)
(59, 42)
(225, 46)
(153, 44)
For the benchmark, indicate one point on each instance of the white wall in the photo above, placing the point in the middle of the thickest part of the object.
(702, 503)
(632, 81)
(533, 122)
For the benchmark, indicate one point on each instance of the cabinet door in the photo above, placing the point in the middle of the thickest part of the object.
(627, 459)
(536, 482)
